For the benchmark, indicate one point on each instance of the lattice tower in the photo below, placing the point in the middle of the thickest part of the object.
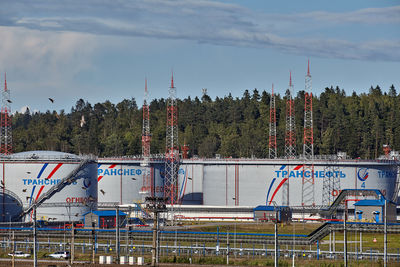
(172, 148)
(272, 127)
(308, 181)
(146, 140)
(5, 121)
(290, 139)
(331, 181)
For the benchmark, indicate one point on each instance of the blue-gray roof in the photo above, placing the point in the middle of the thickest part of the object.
(105, 213)
(264, 208)
(370, 202)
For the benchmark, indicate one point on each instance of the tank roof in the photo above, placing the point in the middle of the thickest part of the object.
(44, 155)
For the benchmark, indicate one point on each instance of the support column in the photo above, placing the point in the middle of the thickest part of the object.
(34, 237)
(117, 237)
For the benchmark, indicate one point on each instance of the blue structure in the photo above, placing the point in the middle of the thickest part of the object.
(374, 210)
(268, 213)
(104, 218)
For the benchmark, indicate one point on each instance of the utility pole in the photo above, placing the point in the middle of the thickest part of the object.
(227, 247)
(385, 236)
(276, 239)
(93, 242)
(345, 235)
(13, 251)
(155, 205)
(72, 243)
(117, 237)
(34, 236)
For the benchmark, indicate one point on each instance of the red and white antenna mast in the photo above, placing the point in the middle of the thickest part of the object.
(308, 192)
(5, 121)
(290, 138)
(172, 148)
(272, 127)
(146, 140)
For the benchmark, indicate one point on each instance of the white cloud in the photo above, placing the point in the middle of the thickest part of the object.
(44, 64)
(201, 21)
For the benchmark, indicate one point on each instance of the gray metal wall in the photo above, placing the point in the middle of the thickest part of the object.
(230, 182)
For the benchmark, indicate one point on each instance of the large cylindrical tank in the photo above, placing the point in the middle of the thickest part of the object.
(120, 180)
(30, 176)
(244, 182)
(240, 182)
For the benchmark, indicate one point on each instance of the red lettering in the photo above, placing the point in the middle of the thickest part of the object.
(68, 199)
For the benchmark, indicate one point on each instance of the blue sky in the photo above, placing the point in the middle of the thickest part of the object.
(102, 50)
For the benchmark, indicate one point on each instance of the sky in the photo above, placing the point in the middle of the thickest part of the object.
(102, 50)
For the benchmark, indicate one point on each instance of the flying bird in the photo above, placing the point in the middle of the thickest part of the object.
(9, 101)
(76, 215)
(102, 191)
(28, 172)
(24, 190)
(83, 122)
(133, 178)
(84, 188)
(51, 100)
(27, 198)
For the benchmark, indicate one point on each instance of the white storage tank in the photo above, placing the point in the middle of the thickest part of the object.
(64, 184)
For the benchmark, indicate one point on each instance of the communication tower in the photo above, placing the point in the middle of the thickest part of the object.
(172, 148)
(290, 138)
(5, 123)
(146, 140)
(272, 127)
(308, 192)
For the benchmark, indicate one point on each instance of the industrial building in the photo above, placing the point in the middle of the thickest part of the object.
(104, 218)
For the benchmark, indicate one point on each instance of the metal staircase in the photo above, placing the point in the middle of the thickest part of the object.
(69, 179)
(349, 192)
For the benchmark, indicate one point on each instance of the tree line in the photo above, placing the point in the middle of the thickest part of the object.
(358, 124)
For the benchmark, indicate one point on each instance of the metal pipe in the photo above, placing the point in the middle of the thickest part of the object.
(154, 246)
(72, 243)
(385, 236)
(276, 244)
(34, 237)
(345, 237)
(93, 241)
(117, 237)
(227, 247)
